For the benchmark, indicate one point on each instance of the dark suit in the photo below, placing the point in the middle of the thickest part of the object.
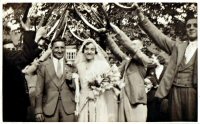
(53, 93)
(15, 95)
(182, 92)
(157, 110)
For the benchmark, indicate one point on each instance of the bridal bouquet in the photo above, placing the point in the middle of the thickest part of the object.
(107, 81)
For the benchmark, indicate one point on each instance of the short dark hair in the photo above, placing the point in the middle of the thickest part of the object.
(45, 39)
(86, 45)
(7, 41)
(57, 40)
(6, 29)
(190, 15)
(161, 59)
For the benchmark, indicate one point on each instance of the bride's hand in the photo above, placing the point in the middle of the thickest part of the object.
(91, 96)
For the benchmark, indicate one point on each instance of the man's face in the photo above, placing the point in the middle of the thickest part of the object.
(9, 46)
(89, 51)
(137, 44)
(58, 49)
(15, 36)
(191, 29)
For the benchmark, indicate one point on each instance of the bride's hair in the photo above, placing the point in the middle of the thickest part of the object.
(86, 45)
(100, 54)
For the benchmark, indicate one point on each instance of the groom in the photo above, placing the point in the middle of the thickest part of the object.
(54, 98)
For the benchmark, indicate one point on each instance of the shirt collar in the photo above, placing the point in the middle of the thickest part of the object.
(55, 59)
(193, 43)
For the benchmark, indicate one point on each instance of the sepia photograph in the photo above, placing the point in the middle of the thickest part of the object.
(99, 62)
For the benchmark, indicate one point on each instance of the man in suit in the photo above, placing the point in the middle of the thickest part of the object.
(15, 95)
(180, 78)
(54, 99)
(157, 110)
(133, 99)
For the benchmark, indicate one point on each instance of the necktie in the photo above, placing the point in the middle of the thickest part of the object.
(59, 69)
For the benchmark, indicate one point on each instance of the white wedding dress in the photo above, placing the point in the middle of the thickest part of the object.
(90, 110)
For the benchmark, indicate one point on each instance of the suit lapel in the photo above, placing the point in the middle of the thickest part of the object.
(52, 72)
(181, 52)
(192, 60)
(126, 66)
(162, 73)
(195, 80)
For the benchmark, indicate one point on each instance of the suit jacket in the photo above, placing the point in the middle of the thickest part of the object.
(15, 97)
(133, 74)
(151, 74)
(49, 88)
(174, 48)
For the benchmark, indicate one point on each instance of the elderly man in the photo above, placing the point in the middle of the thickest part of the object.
(133, 105)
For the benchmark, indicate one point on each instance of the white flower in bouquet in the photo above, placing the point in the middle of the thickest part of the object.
(114, 79)
(116, 74)
(115, 68)
(103, 90)
(121, 84)
(96, 93)
(109, 86)
(99, 79)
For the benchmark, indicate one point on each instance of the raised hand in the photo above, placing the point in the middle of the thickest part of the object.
(41, 32)
(25, 25)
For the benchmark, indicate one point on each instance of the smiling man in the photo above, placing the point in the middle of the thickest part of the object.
(54, 98)
(179, 81)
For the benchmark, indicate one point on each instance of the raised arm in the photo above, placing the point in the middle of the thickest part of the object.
(127, 43)
(29, 51)
(160, 39)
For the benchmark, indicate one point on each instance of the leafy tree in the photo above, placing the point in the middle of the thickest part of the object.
(168, 17)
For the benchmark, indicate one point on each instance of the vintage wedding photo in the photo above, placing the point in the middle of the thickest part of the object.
(99, 62)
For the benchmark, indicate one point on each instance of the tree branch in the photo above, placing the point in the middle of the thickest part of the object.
(120, 55)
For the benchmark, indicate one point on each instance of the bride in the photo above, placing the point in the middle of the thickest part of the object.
(91, 64)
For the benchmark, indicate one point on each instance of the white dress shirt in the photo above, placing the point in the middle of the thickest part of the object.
(190, 50)
(55, 62)
(159, 70)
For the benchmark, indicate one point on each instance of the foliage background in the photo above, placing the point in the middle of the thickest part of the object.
(168, 17)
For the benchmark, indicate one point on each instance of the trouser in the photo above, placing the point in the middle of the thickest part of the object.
(183, 104)
(14, 110)
(131, 113)
(14, 114)
(60, 115)
(31, 109)
(139, 112)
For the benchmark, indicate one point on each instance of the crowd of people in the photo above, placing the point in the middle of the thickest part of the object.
(142, 88)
